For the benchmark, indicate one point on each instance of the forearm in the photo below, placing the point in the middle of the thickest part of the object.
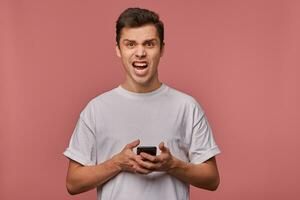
(88, 177)
(202, 175)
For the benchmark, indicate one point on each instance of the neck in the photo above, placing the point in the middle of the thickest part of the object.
(141, 88)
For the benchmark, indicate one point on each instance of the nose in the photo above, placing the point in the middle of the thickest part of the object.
(140, 52)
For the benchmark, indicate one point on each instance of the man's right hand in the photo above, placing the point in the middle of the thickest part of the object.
(126, 159)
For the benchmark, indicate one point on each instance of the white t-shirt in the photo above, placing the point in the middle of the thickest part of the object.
(118, 117)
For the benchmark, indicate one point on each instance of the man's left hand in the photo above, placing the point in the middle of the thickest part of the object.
(162, 162)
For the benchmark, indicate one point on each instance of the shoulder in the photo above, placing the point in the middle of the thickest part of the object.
(183, 98)
(96, 102)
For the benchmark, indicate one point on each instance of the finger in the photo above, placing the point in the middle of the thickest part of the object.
(133, 144)
(141, 170)
(150, 157)
(146, 164)
(138, 157)
(135, 157)
(131, 163)
(162, 147)
(132, 156)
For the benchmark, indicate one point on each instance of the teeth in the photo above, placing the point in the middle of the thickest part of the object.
(140, 64)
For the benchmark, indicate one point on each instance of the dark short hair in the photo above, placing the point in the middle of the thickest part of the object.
(136, 17)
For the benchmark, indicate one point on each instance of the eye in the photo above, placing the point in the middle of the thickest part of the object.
(130, 44)
(149, 44)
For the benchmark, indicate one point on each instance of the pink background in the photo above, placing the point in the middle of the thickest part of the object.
(237, 58)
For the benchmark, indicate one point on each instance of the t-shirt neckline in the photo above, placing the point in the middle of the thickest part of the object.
(131, 94)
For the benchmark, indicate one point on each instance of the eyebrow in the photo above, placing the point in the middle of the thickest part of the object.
(149, 40)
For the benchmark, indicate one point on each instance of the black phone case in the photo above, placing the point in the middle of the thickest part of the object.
(147, 149)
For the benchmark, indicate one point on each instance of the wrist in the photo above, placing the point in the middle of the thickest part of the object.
(176, 165)
(173, 164)
(115, 163)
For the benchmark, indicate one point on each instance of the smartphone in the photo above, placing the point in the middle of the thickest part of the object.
(147, 149)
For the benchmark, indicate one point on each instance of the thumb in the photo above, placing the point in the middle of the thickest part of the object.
(133, 144)
(162, 147)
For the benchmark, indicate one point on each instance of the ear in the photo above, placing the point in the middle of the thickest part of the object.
(162, 50)
(118, 51)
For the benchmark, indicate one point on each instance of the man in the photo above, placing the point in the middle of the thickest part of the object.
(141, 111)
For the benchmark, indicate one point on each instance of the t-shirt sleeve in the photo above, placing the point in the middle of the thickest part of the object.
(203, 145)
(82, 145)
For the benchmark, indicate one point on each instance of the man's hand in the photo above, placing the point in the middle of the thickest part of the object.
(203, 175)
(162, 162)
(127, 159)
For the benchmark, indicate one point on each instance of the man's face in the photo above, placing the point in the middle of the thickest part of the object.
(140, 53)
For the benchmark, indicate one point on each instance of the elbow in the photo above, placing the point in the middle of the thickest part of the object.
(71, 189)
(214, 184)
(211, 185)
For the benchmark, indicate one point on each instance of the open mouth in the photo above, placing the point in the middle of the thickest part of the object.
(140, 65)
